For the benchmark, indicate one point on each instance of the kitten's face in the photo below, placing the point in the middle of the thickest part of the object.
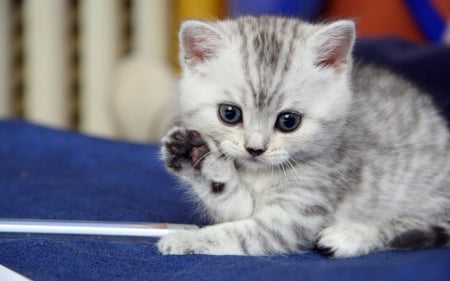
(267, 92)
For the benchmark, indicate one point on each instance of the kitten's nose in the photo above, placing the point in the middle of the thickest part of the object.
(254, 152)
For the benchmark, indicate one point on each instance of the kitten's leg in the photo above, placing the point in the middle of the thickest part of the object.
(212, 176)
(277, 232)
(274, 229)
(420, 237)
(349, 238)
(224, 197)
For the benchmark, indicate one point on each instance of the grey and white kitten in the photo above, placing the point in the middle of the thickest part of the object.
(290, 146)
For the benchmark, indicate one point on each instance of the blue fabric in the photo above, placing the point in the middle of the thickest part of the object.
(428, 19)
(50, 174)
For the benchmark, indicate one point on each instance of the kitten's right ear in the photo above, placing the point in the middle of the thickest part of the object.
(198, 42)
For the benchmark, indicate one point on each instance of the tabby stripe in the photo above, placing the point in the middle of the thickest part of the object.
(274, 234)
(314, 210)
(243, 243)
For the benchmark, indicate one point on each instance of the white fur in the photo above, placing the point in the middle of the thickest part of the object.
(369, 161)
(349, 239)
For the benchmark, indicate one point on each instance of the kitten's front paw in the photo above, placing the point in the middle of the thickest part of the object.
(347, 240)
(183, 148)
(182, 243)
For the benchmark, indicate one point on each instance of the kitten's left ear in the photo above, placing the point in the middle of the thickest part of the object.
(333, 44)
(199, 41)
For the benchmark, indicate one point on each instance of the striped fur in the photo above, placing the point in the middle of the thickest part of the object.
(368, 169)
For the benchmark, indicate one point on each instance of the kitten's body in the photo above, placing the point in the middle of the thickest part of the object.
(368, 168)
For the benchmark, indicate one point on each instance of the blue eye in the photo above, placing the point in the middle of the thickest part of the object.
(288, 121)
(230, 114)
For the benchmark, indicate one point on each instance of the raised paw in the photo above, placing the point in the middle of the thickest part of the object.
(183, 147)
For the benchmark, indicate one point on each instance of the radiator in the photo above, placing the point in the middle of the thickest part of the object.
(59, 58)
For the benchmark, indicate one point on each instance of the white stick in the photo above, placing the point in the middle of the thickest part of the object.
(10, 275)
(46, 72)
(150, 26)
(100, 50)
(5, 59)
(131, 229)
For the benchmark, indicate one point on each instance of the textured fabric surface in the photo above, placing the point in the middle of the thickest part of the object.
(50, 174)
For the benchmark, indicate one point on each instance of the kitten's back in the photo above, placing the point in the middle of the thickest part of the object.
(394, 111)
(404, 144)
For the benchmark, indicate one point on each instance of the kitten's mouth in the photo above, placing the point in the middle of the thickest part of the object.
(253, 160)
(253, 163)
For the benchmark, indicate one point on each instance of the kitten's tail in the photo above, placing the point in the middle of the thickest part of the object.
(433, 236)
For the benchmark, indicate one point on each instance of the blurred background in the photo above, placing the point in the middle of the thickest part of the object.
(109, 67)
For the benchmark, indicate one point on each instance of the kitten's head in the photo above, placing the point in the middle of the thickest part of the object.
(266, 91)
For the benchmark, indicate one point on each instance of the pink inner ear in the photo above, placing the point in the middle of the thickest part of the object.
(196, 48)
(200, 43)
(333, 57)
(333, 45)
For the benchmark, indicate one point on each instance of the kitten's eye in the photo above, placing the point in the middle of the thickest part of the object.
(230, 114)
(288, 121)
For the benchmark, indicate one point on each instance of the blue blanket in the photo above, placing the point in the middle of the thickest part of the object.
(50, 174)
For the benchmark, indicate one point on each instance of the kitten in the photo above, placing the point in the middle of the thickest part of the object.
(292, 147)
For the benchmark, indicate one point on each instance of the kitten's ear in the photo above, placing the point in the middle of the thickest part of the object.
(198, 42)
(333, 44)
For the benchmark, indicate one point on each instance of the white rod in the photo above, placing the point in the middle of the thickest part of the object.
(150, 26)
(5, 58)
(10, 275)
(100, 47)
(46, 66)
(131, 229)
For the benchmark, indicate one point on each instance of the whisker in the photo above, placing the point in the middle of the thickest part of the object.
(201, 158)
(272, 170)
(292, 163)
(284, 171)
